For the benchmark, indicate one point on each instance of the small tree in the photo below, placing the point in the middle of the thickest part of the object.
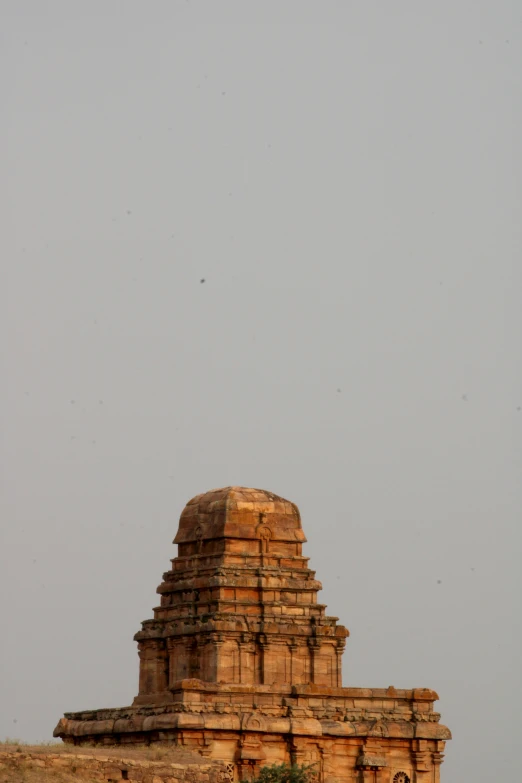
(286, 773)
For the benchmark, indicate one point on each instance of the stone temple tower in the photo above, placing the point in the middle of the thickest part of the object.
(239, 604)
(241, 663)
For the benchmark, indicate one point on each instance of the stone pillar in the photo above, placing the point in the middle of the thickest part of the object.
(246, 660)
(268, 664)
(276, 663)
(171, 652)
(208, 742)
(262, 656)
(251, 756)
(315, 649)
(179, 659)
(437, 758)
(339, 650)
(162, 668)
(327, 763)
(206, 661)
(194, 658)
(217, 644)
(324, 662)
(297, 752)
(245, 769)
(372, 765)
(144, 669)
(292, 648)
(153, 666)
(381, 775)
(421, 761)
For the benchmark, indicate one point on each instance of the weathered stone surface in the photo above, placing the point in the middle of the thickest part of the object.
(36, 764)
(239, 603)
(241, 663)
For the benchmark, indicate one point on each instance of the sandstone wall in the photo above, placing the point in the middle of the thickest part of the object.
(40, 766)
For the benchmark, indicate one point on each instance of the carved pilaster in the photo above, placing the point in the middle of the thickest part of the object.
(297, 752)
(339, 650)
(292, 648)
(217, 643)
(208, 741)
(372, 764)
(262, 655)
(246, 659)
(327, 762)
(171, 656)
(153, 666)
(437, 758)
(314, 646)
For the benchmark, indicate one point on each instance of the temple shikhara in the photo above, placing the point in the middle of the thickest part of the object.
(241, 663)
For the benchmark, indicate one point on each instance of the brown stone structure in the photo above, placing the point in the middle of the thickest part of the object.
(52, 764)
(242, 664)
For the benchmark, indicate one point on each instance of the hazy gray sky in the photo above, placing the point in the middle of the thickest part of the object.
(346, 177)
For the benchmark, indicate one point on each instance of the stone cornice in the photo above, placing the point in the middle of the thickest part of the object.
(136, 721)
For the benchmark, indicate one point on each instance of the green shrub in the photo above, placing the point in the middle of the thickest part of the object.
(286, 773)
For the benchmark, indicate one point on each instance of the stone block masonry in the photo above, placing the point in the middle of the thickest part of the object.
(37, 765)
(241, 663)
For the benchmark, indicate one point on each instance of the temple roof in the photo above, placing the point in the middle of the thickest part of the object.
(239, 512)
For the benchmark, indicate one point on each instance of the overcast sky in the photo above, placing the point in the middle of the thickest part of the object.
(345, 177)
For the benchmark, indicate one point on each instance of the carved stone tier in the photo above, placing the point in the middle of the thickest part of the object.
(239, 604)
(299, 709)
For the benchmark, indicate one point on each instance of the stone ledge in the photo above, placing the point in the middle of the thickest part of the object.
(392, 727)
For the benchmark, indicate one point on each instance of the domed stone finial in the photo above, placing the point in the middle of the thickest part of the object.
(242, 514)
